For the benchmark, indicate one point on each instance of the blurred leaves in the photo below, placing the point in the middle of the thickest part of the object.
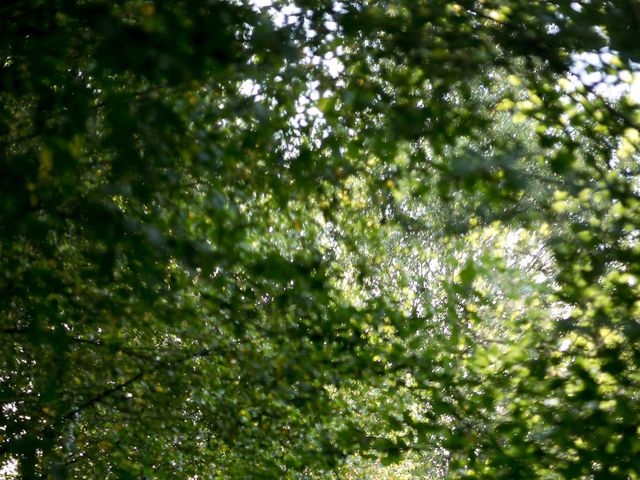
(319, 239)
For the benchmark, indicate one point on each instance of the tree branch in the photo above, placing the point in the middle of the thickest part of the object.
(103, 395)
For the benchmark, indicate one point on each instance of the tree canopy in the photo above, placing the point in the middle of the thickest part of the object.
(320, 239)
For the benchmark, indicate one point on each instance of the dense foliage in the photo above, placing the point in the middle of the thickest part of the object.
(320, 239)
